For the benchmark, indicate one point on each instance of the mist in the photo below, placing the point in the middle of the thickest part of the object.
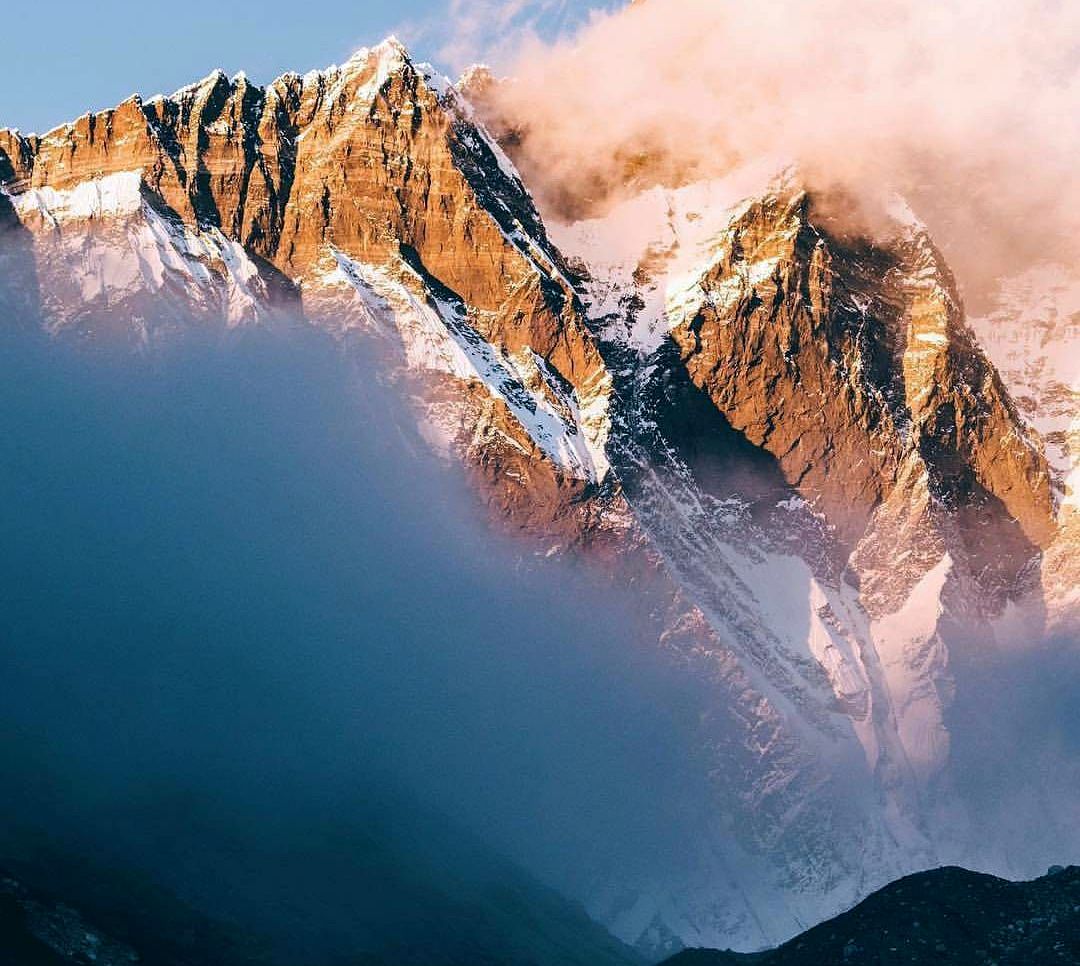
(261, 651)
(968, 109)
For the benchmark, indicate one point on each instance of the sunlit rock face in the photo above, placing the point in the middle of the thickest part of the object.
(836, 498)
(362, 196)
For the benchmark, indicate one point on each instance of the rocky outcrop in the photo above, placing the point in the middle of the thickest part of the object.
(847, 362)
(372, 157)
(944, 916)
(793, 393)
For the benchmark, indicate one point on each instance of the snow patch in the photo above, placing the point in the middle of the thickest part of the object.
(438, 337)
(1032, 336)
(138, 249)
(912, 655)
(654, 249)
(114, 194)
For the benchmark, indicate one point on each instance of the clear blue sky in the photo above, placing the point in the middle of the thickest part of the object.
(61, 58)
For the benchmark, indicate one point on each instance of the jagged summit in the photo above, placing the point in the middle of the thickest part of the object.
(376, 165)
(391, 54)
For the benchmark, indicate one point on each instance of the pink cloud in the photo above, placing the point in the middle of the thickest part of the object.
(969, 107)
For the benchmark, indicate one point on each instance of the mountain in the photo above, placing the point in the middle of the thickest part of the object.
(833, 493)
(347, 195)
(948, 915)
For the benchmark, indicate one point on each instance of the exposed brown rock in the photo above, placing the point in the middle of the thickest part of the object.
(845, 362)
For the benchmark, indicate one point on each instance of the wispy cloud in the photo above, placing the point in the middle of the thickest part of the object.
(466, 32)
(970, 107)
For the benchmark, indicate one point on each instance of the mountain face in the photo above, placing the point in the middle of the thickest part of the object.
(346, 195)
(944, 916)
(842, 503)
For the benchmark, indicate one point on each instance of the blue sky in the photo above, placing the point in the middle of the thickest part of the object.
(66, 57)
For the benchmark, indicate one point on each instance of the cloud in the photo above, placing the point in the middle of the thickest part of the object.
(969, 107)
(495, 30)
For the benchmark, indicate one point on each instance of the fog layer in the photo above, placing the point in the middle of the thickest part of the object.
(258, 649)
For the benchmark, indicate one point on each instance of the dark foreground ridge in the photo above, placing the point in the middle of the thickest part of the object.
(946, 916)
(128, 922)
(39, 929)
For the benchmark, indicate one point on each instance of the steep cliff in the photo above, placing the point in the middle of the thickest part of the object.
(363, 195)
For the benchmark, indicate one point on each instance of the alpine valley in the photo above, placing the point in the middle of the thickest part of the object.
(848, 510)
